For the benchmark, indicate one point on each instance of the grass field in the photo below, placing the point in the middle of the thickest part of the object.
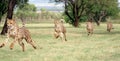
(101, 46)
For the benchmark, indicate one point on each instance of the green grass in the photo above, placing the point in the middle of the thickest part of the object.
(101, 46)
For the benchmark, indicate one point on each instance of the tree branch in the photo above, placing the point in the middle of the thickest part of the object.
(66, 11)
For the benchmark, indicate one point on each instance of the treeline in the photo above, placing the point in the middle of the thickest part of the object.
(26, 15)
(80, 10)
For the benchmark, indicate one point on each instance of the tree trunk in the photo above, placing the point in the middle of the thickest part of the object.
(4, 30)
(0, 18)
(96, 18)
(76, 23)
(9, 15)
(100, 19)
(97, 22)
(23, 21)
(75, 13)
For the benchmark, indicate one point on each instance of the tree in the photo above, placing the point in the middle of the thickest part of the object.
(44, 13)
(3, 7)
(10, 9)
(26, 10)
(99, 10)
(75, 10)
(9, 14)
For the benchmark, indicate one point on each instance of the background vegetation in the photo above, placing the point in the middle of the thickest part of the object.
(82, 10)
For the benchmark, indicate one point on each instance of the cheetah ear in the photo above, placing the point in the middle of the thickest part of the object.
(61, 21)
(13, 19)
(7, 18)
(55, 21)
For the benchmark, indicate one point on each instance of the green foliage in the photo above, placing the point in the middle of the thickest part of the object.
(110, 8)
(3, 7)
(83, 18)
(68, 20)
(91, 8)
(21, 2)
(45, 14)
(26, 10)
